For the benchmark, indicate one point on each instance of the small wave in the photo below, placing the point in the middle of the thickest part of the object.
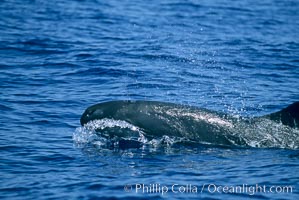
(265, 133)
(111, 134)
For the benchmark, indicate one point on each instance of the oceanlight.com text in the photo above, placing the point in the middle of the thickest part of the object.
(211, 188)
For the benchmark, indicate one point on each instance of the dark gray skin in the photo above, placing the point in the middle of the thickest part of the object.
(157, 119)
(288, 116)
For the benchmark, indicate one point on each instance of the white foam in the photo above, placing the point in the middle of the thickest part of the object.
(87, 133)
(266, 133)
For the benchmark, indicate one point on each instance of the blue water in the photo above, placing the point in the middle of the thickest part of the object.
(59, 57)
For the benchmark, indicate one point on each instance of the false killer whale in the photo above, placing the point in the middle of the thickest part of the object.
(158, 119)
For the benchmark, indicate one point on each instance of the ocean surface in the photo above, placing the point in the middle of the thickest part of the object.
(59, 57)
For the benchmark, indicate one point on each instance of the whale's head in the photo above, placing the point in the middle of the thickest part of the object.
(103, 110)
(92, 113)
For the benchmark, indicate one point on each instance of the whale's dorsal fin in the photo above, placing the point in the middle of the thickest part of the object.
(288, 116)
